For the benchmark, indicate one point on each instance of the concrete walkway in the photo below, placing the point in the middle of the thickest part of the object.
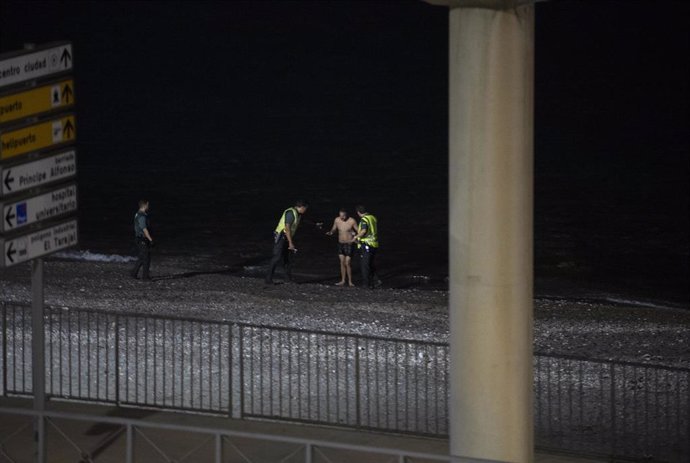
(85, 441)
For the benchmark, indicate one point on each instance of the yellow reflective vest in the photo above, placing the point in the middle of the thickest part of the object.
(371, 238)
(293, 226)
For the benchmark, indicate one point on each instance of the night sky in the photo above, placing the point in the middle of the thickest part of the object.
(344, 100)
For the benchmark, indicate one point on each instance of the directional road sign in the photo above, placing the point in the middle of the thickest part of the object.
(46, 134)
(20, 213)
(39, 100)
(43, 171)
(38, 243)
(35, 64)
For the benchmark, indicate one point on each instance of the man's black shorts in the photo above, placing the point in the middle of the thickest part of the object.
(345, 249)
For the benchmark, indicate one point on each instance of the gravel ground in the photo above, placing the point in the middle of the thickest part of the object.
(577, 402)
(592, 329)
(573, 327)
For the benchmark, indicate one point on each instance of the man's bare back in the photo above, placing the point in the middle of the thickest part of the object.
(346, 229)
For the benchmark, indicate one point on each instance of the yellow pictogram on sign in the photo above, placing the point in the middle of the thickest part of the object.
(59, 95)
(36, 137)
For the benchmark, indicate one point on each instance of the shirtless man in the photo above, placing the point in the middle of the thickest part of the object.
(347, 229)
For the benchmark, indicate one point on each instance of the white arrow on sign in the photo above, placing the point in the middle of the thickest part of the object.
(38, 243)
(23, 212)
(35, 64)
(50, 169)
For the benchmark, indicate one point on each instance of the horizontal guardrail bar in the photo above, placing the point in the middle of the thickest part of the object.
(139, 423)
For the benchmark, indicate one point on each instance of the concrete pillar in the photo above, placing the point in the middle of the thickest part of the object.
(491, 202)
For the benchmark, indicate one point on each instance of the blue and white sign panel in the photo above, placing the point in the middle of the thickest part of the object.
(53, 204)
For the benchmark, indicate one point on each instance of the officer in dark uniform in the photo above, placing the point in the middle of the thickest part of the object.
(143, 241)
(283, 239)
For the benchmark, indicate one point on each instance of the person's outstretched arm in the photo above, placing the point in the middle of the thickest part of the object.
(333, 228)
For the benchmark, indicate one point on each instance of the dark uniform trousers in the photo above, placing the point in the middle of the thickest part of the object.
(368, 265)
(143, 258)
(281, 253)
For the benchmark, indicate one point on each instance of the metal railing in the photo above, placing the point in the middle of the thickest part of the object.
(204, 443)
(621, 409)
(240, 370)
(236, 369)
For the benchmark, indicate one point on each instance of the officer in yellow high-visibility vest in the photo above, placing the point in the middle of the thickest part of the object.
(367, 239)
(283, 236)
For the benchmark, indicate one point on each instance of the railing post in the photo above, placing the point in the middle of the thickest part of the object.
(358, 411)
(4, 349)
(240, 351)
(219, 449)
(230, 401)
(613, 408)
(117, 360)
(687, 411)
(129, 450)
(308, 451)
(40, 439)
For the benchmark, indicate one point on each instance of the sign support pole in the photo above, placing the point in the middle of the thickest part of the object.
(38, 79)
(38, 357)
(38, 350)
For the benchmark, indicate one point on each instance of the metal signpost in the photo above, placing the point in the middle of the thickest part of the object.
(38, 194)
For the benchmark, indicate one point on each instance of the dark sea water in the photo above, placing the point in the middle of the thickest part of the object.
(222, 114)
(593, 239)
